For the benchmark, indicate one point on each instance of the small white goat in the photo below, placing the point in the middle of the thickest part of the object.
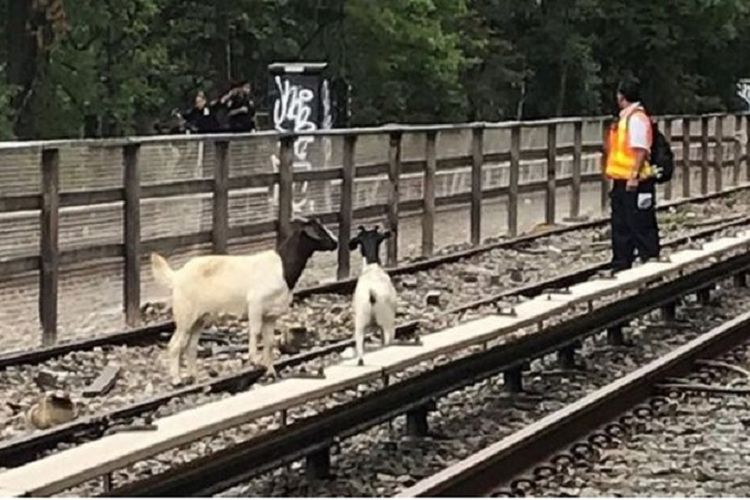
(374, 300)
(259, 285)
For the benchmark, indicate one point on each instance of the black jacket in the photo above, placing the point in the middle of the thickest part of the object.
(202, 121)
(241, 114)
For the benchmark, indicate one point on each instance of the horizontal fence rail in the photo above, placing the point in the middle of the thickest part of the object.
(719, 147)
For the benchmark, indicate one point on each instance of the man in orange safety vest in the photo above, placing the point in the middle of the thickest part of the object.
(633, 194)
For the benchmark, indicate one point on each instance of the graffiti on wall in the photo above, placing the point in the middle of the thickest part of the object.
(295, 110)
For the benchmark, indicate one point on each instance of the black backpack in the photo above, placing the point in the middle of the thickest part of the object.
(662, 157)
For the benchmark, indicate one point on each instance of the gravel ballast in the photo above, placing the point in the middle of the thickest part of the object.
(695, 445)
(383, 460)
(542, 259)
(327, 317)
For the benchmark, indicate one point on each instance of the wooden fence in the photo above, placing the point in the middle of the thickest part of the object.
(50, 199)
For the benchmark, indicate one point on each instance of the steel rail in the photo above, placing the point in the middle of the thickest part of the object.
(219, 471)
(24, 449)
(163, 330)
(482, 472)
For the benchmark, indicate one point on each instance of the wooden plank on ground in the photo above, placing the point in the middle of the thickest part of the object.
(103, 383)
(398, 357)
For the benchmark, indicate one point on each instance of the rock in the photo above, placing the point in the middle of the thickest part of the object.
(516, 275)
(432, 298)
(702, 475)
(469, 277)
(298, 330)
(409, 281)
(384, 477)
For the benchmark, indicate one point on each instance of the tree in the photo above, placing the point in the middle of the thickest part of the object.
(126, 63)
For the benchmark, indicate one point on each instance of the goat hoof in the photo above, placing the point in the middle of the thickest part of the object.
(361, 362)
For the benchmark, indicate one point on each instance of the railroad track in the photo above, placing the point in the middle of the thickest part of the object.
(25, 448)
(512, 466)
(17, 451)
(307, 437)
(413, 396)
(161, 331)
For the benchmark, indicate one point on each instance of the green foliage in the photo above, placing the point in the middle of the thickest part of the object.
(131, 61)
(6, 115)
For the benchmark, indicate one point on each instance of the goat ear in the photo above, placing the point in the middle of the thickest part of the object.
(353, 243)
(312, 232)
(385, 235)
(361, 229)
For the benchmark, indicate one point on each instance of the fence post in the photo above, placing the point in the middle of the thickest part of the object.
(132, 235)
(737, 153)
(286, 182)
(604, 192)
(477, 161)
(48, 245)
(550, 205)
(704, 155)
(747, 147)
(514, 174)
(428, 217)
(668, 136)
(220, 225)
(345, 208)
(394, 172)
(575, 189)
(719, 154)
(686, 157)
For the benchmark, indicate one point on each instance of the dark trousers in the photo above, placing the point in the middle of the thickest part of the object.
(634, 227)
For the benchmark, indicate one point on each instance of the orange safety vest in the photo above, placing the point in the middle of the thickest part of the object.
(621, 158)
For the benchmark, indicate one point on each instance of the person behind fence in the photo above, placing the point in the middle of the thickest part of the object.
(633, 194)
(201, 119)
(240, 108)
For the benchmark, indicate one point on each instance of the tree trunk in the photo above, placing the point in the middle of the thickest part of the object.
(521, 101)
(562, 91)
(222, 47)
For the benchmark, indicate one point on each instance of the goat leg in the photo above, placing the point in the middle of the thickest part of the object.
(267, 329)
(359, 339)
(191, 353)
(175, 349)
(254, 328)
(388, 325)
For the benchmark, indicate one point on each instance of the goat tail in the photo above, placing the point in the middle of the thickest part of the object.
(373, 297)
(163, 274)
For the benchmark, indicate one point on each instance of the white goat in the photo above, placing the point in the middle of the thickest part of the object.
(374, 297)
(259, 285)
